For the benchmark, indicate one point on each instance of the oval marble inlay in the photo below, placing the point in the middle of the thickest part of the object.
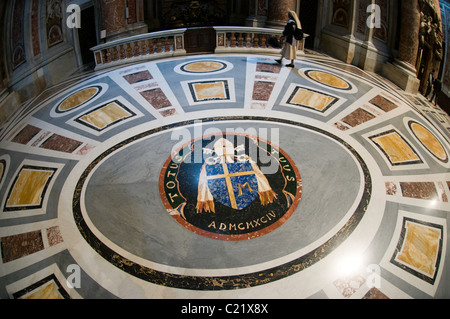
(78, 99)
(203, 67)
(329, 80)
(428, 140)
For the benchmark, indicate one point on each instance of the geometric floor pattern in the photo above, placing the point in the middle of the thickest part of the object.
(225, 176)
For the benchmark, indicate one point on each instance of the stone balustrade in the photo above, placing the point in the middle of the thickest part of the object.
(171, 43)
(146, 46)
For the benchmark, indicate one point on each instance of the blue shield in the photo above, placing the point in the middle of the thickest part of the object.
(233, 184)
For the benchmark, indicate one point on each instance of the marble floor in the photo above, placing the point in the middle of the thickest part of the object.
(225, 176)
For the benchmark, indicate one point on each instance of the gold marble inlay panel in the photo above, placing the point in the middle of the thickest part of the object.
(214, 90)
(49, 291)
(312, 99)
(78, 98)
(206, 66)
(29, 188)
(106, 115)
(396, 148)
(429, 141)
(328, 79)
(420, 248)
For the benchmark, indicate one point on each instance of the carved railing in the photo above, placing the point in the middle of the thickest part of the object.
(248, 40)
(170, 43)
(146, 46)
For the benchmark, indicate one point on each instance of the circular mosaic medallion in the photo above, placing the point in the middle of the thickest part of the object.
(230, 193)
(116, 214)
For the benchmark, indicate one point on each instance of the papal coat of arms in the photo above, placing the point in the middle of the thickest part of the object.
(227, 195)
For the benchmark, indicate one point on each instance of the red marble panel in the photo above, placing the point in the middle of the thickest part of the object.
(268, 67)
(262, 90)
(138, 77)
(374, 293)
(26, 134)
(21, 245)
(156, 98)
(358, 117)
(383, 103)
(54, 236)
(61, 144)
(421, 190)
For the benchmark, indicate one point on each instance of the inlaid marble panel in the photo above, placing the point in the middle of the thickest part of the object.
(54, 236)
(422, 190)
(429, 141)
(416, 253)
(311, 99)
(77, 99)
(268, 67)
(349, 285)
(156, 98)
(18, 246)
(396, 149)
(374, 293)
(138, 77)
(203, 67)
(105, 115)
(61, 144)
(46, 288)
(383, 103)
(329, 79)
(210, 91)
(26, 134)
(358, 117)
(419, 248)
(262, 90)
(29, 188)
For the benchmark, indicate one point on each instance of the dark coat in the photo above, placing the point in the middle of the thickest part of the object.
(288, 32)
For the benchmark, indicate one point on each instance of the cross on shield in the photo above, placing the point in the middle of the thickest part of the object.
(233, 184)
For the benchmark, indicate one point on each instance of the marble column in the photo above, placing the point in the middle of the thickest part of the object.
(278, 12)
(257, 13)
(403, 70)
(409, 34)
(114, 18)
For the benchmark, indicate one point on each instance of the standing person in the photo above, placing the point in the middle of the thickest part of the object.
(292, 33)
(437, 86)
(430, 83)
